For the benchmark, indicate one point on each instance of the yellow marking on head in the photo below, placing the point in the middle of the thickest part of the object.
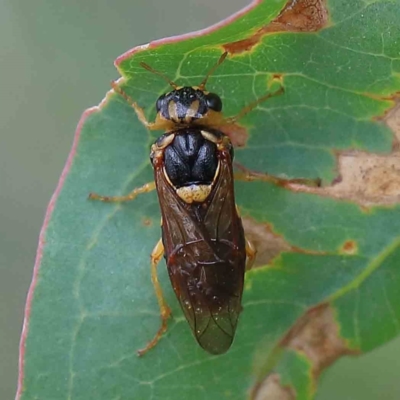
(173, 111)
(194, 193)
(192, 111)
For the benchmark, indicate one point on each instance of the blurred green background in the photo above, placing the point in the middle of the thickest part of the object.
(56, 60)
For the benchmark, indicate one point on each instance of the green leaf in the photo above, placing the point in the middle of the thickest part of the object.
(335, 271)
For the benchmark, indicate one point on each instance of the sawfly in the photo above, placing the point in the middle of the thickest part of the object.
(203, 240)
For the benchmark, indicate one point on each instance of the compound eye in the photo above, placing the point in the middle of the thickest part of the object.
(214, 102)
(160, 102)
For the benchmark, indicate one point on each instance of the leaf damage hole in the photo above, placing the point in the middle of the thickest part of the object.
(268, 244)
(296, 16)
(392, 119)
(367, 179)
(370, 179)
(316, 335)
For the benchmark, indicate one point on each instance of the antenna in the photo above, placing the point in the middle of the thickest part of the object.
(211, 71)
(145, 66)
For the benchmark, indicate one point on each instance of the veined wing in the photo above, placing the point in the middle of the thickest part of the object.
(205, 253)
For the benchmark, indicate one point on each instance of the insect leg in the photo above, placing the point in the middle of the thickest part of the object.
(165, 311)
(139, 110)
(146, 188)
(251, 252)
(252, 106)
(248, 175)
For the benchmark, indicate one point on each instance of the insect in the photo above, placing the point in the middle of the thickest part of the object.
(203, 240)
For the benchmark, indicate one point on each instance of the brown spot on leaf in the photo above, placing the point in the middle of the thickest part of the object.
(272, 389)
(278, 78)
(147, 221)
(296, 16)
(316, 335)
(245, 44)
(388, 98)
(300, 16)
(350, 247)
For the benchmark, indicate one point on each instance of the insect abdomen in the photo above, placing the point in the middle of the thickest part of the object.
(209, 287)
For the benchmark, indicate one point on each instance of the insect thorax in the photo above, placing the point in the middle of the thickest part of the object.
(191, 162)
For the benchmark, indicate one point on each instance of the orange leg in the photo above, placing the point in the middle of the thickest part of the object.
(248, 175)
(216, 119)
(252, 106)
(148, 187)
(251, 252)
(165, 311)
